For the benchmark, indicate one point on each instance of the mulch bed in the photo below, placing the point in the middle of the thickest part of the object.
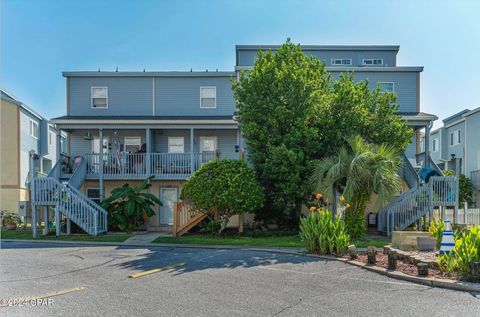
(407, 268)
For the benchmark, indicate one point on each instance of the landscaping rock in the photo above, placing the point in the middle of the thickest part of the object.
(475, 269)
(386, 249)
(352, 251)
(422, 269)
(426, 243)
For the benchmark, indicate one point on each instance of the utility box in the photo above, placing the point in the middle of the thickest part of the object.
(24, 209)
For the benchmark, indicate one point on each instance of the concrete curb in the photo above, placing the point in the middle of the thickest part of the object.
(428, 281)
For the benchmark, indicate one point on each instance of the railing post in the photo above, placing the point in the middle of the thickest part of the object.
(148, 151)
(100, 166)
(175, 219)
(95, 223)
(192, 163)
(58, 220)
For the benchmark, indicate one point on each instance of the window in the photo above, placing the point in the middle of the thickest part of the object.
(373, 62)
(34, 129)
(435, 145)
(96, 145)
(176, 144)
(50, 138)
(94, 194)
(99, 97)
(133, 144)
(341, 61)
(208, 144)
(208, 97)
(455, 137)
(386, 86)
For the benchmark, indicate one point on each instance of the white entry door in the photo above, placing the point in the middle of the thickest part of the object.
(168, 196)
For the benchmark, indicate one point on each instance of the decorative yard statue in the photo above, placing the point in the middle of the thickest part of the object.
(447, 239)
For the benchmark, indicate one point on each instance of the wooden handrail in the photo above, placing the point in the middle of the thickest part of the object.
(185, 218)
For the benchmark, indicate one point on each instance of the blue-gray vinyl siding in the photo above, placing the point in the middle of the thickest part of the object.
(247, 57)
(405, 86)
(473, 143)
(181, 96)
(174, 96)
(126, 96)
(436, 155)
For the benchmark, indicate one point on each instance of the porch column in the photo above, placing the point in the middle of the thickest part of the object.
(148, 141)
(58, 152)
(192, 156)
(32, 193)
(100, 165)
(58, 145)
(427, 144)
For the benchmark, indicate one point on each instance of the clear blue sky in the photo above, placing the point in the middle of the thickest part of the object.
(42, 38)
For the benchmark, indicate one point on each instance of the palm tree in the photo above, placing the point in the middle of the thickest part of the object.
(359, 170)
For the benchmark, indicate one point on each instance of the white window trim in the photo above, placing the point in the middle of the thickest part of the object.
(215, 88)
(176, 137)
(131, 137)
(91, 97)
(208, 137)
(455, 139)
(435, 144)
(387, 82)
(341, 59)
(372, 59)
(106, 139)
(32, 133)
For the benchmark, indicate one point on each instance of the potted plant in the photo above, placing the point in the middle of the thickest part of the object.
(10, 220)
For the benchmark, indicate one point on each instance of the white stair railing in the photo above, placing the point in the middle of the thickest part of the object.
(72, 203)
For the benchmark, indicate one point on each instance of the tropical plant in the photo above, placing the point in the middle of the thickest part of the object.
(465, 251)
(322, 233)
(293, 112)
(436, 229)
(358, 171)
(128, 208)
(223, 188)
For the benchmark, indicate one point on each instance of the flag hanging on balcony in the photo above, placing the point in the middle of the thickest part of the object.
(117, 154)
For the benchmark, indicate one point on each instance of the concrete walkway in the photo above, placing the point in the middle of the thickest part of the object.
(145, 238)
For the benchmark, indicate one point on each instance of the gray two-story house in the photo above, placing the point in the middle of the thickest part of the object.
(125, 126)
(456, 146)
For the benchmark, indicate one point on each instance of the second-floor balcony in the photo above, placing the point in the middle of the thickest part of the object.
(475, 178)
(164, 166)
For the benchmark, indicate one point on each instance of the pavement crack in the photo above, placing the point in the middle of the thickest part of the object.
(289, 307)
(77, 256)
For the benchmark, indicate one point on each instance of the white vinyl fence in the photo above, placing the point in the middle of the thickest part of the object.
(470, 216)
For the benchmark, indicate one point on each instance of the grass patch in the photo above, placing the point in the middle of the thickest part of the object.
(263, 240)
(27, 235)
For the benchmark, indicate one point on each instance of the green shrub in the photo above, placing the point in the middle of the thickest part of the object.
(322, 234)
(465, 251)
(436, 229)
(128, 208)
(223, 188)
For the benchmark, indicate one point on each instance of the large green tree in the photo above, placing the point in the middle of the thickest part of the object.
(292, 112)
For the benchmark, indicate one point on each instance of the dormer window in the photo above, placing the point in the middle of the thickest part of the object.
(372, 62)
(208, 97)
(99, 97)
(341, 61)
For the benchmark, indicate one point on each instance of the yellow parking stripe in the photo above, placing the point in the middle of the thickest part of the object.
(165, 268)
(48, 295)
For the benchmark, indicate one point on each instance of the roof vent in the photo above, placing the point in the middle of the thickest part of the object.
(116, 69)
(99, 69)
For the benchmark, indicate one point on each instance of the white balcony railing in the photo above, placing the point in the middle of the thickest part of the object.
(138, 166)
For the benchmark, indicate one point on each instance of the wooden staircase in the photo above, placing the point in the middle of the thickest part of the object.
(185, 218)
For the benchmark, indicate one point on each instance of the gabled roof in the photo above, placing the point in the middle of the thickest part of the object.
(5, 95)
